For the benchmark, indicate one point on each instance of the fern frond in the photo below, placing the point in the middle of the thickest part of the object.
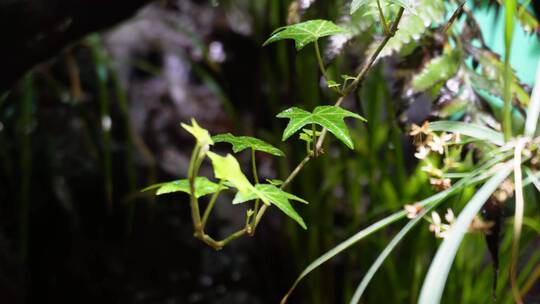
(437, 70)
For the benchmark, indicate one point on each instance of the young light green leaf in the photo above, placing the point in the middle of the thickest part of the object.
(228, 169)
(240, 143)
(329, 117)
(275, 182)
(203, 186)
(201, 135)
(437, 70)
(435, 280)
(309, 132)
(333, 84)
(275, 196)
(348, 77)
(306, 137)
(468, 129)
(305, 32)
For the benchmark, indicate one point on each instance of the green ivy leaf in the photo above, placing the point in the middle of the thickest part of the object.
(240, 143)
(333, 84)
(306, 32)
(203, 186)
(228, 169)
(437, 70)
(275, 196)
(307, 135)
(201, 135)
(329, 117)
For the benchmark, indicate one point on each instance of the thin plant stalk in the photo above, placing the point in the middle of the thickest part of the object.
(25, 122)
(211, 204)
(255, 176)
(383, 19)
(194, 204)
(510, 10)
(518, 219)
(121, 97)
(102, 77)
(531, 280)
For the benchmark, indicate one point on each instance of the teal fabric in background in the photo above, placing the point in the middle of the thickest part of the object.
(524, 57)
(525, 47)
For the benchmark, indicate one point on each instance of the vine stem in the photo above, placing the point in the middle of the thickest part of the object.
(454, 17)
(319, 60)
(363, 72)
(194, 203)
(314, 139)
(321, 66)
(295, 172)
(348, 90)
(383, 19)
(211, 204)
(255, 177)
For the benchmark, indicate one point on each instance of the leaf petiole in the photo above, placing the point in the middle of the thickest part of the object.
(211, 204)
(383, 19)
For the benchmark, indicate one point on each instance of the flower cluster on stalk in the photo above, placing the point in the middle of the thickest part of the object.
(428, 142)
(439, 228)
(439, 153)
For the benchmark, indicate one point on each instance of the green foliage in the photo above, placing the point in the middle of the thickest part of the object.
(227, 168)
(306, 32)
(472, 130)
(437, 70)
(203, 186)
(533, 111)
(527, 20)
(492, 77)
(413, 26)
(435, 280)
(357, 4)
(384, 254)
(277, 197)
(308, 135)
(446, 162)
(333, 84)
(240, 143)
(329, 117)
